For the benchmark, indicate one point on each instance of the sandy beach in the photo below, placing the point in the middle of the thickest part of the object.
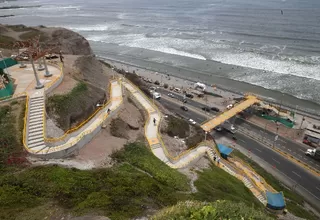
(235, 89)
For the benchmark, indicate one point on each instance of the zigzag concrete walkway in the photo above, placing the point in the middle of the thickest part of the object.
(35, 126)
(159, 149)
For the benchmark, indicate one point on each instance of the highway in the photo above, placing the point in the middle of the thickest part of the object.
(298, 175)
(291, 147)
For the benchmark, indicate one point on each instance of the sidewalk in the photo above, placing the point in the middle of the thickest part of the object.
(184, 159)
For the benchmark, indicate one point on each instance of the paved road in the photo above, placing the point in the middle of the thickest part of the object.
(300, 176)
(290, 169)
(286, 145)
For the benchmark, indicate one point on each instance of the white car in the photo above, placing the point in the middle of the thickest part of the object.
(229, 106)
(177, 90)
(156, 95)
(171, 95)
(191, 121)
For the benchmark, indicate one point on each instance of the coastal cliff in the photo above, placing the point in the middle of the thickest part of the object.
(60, 38)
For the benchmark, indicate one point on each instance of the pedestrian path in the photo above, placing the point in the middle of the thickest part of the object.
(159, 150)
(34, 131)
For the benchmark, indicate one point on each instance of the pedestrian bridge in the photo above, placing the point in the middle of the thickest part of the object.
(212, 123)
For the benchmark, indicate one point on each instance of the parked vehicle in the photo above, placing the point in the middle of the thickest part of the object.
(218, 128)
(156, 95)
(314, 153)
(191, 121)
(189, 95)
(157, 82)
(171, 95)
(205, 108)
(177, 90)
(184, 101)
(184, 108)
(215, 109)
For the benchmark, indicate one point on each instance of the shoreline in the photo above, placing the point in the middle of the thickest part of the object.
(312, 113)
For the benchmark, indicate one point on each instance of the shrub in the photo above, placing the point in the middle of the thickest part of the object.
(177, 127)
(166, 86)
(195, 139)
(206, 211)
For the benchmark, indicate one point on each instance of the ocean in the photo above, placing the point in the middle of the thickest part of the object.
(272, 47)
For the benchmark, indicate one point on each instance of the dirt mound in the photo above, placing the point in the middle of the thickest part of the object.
(91, 70)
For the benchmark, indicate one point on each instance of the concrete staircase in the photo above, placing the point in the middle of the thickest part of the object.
(35, 138)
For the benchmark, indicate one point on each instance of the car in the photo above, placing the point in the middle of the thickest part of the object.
(230, 106)
(157, 82)
(184, 100)
(177, 90)
(215, 109)
(205, 108)
(191, 121)
(153, 88)
(184, 108)
(156, 95)
(189, 95)
(218, 128)
(171, 95)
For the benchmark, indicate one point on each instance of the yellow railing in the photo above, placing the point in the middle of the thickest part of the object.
(55, 139)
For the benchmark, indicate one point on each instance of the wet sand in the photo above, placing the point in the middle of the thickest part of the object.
(222, 83)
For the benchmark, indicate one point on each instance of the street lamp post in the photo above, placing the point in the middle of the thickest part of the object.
(47, 73)
(39, 85)
(205, 135)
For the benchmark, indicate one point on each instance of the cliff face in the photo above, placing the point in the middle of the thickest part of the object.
(67, 41)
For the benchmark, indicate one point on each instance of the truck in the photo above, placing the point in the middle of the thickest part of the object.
(314, 153)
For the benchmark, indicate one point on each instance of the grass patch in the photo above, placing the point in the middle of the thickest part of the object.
(121, 192)
(10, 133)
(34, 33)
(177, 127)
(20, 28)
(207, 211)
(294, 201)
(6, 40)
(137, 155)
(216, 184)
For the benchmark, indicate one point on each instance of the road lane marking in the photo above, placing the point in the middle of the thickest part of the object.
(296, 174)
(257, 149)
(294, 152)
(289, 150)
(242, 141)
(305, 158)
(276, 161)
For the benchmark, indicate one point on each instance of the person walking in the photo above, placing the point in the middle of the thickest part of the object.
(61, 57)
(154, 121)
(218, 160)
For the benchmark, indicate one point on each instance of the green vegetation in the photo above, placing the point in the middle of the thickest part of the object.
(6, 40)
(137, 155)
(208, 211)
(196, 138)
(216, 184)
(177, 127)
(127, 190)
(118, 128)
(294, 202)
(62, 105)
(11, 126)
(20, 28)
(32, 34)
